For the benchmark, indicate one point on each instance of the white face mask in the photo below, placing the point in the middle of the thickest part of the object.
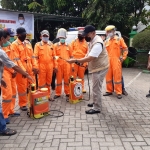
(21, 21)
(110, 35)
(45, 39)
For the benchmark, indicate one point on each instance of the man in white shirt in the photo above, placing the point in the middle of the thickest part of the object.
(98, 66)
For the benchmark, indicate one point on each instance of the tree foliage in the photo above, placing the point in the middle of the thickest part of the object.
(122, 13)
(142, 40)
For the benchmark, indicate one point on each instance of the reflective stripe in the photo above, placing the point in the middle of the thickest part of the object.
(59, 84)
(6, 100)
(16, 58)
(48, 84)
(109, 81)
(118, 82)
(125, 50)
(34, 56)
(14, 96)
(22, 94)
(66, 83)
(42, 86)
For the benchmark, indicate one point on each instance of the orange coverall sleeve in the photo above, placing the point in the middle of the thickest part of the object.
(17, 55)
(9, 69)
(33, 60)
(71, 54)
(54, 54)
(124, 48)
(36, 54)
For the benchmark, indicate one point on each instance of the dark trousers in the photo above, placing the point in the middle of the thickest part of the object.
(53, 81)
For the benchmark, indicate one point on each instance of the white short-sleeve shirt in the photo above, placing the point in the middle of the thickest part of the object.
(96, 50)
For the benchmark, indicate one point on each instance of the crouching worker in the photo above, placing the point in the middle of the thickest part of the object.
(97, 65)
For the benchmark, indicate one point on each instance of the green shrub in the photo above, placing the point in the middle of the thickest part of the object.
(142, 40)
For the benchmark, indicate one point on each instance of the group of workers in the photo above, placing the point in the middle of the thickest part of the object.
(103, 57)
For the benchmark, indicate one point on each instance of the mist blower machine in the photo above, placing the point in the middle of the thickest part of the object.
(75, 87)
(38, 103)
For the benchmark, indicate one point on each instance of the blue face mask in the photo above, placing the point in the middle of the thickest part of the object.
(62, 40)
(45, 39)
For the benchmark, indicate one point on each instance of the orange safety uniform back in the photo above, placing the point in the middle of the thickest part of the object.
(24, 55)
(79, 48)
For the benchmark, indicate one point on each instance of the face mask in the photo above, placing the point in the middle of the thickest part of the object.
(6, 44)
(21, 21)
(45, 39)
(11, 39)
(88, 39)
(80, 38)
(62, 40)
(110, 34)
(22, 37)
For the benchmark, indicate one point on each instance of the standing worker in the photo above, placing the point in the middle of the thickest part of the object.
(79, 48)
(98, 66)
(5, 61)
(9, 93)
(45, 54)
(63, 52)
(26, 60)
(117, 52)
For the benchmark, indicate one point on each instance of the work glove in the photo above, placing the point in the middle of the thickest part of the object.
(121, 59)
(14, 74)
(35, 71)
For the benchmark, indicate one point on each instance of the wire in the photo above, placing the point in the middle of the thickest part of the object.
(53, 116)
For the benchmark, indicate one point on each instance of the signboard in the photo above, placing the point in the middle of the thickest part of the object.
(14, 20)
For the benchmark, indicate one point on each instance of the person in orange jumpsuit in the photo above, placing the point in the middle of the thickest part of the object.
(79, 48)
(26, 60)
(117, 52)
(63, 52)
(9, 93)
(45, 56)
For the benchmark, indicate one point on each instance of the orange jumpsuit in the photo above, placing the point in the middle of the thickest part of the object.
(64, 51)
(44, 52)
(116, 50)
(79, 49)
(26, 60)
(8, 93)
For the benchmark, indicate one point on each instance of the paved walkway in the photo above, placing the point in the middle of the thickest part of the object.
(123, 124)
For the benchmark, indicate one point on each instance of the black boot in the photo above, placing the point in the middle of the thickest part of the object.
(148, 95)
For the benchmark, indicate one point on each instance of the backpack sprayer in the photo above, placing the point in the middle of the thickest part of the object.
(38, 103)
(75, 87)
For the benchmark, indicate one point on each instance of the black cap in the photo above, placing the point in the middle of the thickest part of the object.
(20, 15)
(21, 30)
(88, 29)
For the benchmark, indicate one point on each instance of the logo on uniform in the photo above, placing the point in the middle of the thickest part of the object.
(78, 90)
